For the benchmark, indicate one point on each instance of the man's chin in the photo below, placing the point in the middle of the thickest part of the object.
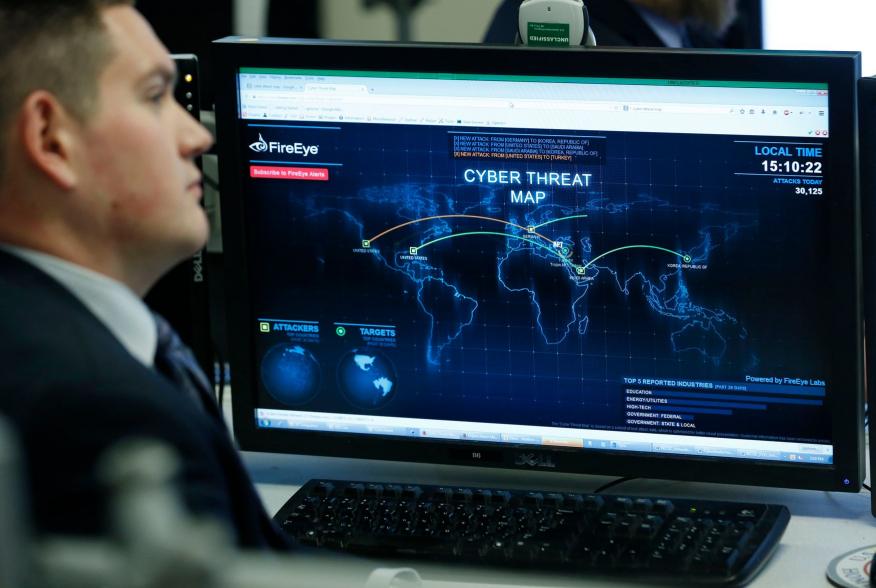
(199, 242)
(200, 226)
(193, 244)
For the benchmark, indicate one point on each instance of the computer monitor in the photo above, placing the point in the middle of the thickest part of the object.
(867, 117)
(812, 25)
(638, 263)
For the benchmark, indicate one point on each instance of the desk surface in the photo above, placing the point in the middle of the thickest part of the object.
(823, 525)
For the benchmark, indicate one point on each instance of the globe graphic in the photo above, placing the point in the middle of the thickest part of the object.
(290, 374)
(367, 378)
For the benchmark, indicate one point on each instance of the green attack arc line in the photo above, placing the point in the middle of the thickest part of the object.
(506, 235)
(579, 269)
(685, 258)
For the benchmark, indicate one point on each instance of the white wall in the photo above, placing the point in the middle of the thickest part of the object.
(838, 25)
(434, 20)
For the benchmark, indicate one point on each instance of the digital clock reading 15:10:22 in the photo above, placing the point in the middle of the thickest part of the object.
(792, 166)
(794, 159)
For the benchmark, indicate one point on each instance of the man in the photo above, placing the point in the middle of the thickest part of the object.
(639, 23)
(99, 196)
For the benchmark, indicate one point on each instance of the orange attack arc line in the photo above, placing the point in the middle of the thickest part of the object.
(497, 220)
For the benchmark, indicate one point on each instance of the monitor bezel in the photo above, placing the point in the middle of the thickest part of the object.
(839, 70)
(867, 118)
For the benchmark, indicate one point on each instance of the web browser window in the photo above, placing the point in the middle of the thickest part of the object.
(576, 262)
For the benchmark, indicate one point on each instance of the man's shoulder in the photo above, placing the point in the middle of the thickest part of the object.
(40, 320)
(63, 370)
(29, 293)
(63, 382)
(51, 344)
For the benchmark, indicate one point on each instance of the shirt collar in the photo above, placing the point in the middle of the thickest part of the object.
(114, 304)
(672, 34)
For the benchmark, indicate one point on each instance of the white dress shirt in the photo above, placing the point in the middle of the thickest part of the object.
(113, 303)
(672, 34)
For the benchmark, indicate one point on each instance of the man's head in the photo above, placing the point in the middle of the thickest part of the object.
(715, 15)
(96, 157)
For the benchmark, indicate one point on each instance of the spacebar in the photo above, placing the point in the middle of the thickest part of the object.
(402, 545)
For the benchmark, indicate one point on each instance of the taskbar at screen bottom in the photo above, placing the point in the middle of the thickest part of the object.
(747, 449)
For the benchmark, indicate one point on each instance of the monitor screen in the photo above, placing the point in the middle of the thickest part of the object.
(815, 25)
(604, 261)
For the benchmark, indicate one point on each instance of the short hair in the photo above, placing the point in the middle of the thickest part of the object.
(59, 46)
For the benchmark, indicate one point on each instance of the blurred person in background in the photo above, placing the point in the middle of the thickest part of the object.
(639, 23)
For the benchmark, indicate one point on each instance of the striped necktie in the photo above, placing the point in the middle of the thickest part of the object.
(175, 361)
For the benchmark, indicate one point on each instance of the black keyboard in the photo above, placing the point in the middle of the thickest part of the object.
(692, 540)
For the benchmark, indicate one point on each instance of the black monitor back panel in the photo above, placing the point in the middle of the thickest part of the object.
(867, 102)
(181, 294)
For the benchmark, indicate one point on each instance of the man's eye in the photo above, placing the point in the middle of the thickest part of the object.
(157, 96)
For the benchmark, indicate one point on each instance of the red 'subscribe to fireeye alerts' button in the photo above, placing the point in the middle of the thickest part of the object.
(318, 174)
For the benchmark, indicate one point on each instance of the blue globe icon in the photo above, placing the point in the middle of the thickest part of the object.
(290, 374)
(367, 378)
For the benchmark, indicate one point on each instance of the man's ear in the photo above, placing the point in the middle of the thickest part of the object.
(48, 136)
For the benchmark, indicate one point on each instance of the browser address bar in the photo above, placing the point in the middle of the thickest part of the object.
(359, 98)
(634, 107)
(431, 101)
(378, 100)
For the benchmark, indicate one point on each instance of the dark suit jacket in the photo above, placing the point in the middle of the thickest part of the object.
(614, 23)
(71, 390)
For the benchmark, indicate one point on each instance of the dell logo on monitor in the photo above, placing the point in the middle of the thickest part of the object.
(535, 460)
(198, 267)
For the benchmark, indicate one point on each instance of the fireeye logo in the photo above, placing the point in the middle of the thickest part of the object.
(259, 146)
(262, 146)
